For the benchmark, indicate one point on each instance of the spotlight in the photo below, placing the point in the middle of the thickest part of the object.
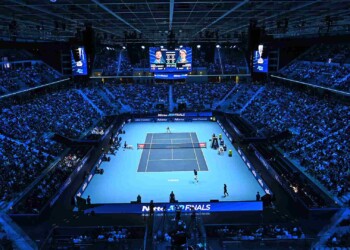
(218, 46)
(198, 46)
(180, 46)
(161, 46)
(124, 47)
(143, 47)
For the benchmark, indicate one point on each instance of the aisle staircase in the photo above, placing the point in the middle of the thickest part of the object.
(171, 101)
(109, 101)
(332, 228)
(252, 99)
(225, 98)
(79, 91)
(19, 238)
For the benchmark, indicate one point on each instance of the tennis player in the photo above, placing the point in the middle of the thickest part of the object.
(225, 190)
(195, 175)
(168, 130)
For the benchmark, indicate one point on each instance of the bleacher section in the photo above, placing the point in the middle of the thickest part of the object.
(324, 65)
(25, 131)
(24, 75)
(139, 98)
(113, 237)
(320, 145)
(200, 96)
(240, 97)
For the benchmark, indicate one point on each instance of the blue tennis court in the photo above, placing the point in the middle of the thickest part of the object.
(172, 152)
(155, 172)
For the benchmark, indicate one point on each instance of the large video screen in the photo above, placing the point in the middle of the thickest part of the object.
(163, 60)
(260, 60)
(79, 62)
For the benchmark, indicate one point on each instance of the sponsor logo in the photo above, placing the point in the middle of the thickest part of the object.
(84, 186)
(184, 208)
(142, 120)
(90, 177)
(177, 114)
(200, 119)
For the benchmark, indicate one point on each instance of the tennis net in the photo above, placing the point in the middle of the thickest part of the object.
(171, 145)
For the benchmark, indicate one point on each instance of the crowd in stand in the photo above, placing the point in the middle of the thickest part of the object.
(325, 65)
(200, 96)
(141, 98)
(336, 53)
(26, 129)
(260, 232)
(101, 100)
(50, 184)
(64, 112)
(341, 237)
(323, 74)
(320, 131)
(241, 96)
(26, 75)
(8, 81)
(111, 235)
(20, 165)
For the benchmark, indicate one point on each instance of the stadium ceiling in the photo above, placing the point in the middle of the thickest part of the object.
(123, 21)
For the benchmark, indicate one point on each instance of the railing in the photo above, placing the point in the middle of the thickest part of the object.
(312, 85)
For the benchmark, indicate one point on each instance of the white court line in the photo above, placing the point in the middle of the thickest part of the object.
(149, 152)
(194, 150)
(172, 150)
(172, 139)
(174, 160)
(173, 180)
